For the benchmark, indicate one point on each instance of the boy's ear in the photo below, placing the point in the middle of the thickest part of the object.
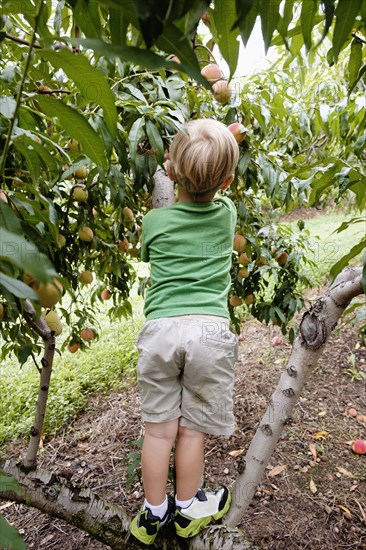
(227, 182)
(170, 170)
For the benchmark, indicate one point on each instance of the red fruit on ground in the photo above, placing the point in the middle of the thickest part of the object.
(352, 412)
(359, 446)
(276, 341)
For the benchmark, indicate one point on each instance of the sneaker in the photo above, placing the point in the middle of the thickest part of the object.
(145, 525)
(207, 506)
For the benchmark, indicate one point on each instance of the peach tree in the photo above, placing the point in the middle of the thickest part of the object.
(92, 93)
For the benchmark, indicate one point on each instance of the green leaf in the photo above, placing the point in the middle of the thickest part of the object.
(91, 82)
(326, 180)
(283, 22)
(355, 61)
(343, 262)
(346, 224)
(308, 12)
(8, 219)
(87, 17)
(360, 75)
(24, 254)
(223, 17)
(155, 140)
(270, 13)
(10, 537)
(76, 126)
(345, 13)
(136, 133)
(17, 288)
(247, 23)
(118, 25)
(173, 41)
(328, 6)
(142, 58)
(364, 274)
(24, 7)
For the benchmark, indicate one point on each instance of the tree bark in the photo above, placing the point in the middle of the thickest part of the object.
(315, 328)
(163, 192)
(40, 327)
(106, 522)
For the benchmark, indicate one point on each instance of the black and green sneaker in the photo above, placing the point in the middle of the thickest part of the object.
(145, 526)
(207, 506)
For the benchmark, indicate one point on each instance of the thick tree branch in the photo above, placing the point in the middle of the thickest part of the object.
(315, 328)
(21, 41)
(105, 521)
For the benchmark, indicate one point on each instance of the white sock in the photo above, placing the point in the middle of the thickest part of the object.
(183, 503)
(159, 510)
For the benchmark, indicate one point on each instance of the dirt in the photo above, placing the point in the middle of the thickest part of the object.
(313, 494)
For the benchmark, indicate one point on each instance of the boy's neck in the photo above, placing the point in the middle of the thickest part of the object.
(184, 196)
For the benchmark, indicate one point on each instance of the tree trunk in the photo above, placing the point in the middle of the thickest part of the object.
(163, 192)
(315, 328)
(48, 336)
(106, 522)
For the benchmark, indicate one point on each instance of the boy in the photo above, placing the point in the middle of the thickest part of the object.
(186, 350)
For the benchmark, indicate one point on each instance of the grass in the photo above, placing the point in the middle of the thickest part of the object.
(327, 247)
(110, 363)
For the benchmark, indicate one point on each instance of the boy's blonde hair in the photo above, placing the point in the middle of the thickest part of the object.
(203, 156)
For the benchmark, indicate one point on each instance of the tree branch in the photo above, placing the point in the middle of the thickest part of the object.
(42, 329)
(105, 521)
(21, 41)
(315, 328)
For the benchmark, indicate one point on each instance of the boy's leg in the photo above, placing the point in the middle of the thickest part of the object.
(158, 509)
(158, 442)
(188, 462)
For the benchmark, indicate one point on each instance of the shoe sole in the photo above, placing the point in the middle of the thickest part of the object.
(200, 524)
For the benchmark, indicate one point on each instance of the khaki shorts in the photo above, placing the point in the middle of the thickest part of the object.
(186, 371)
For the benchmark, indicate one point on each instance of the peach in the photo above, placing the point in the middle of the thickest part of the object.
(359, 446)
(238, 130)
(211, 72)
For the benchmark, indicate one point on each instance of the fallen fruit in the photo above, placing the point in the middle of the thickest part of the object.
(212, 72)
(276, 341)
(222, 91)
(235, 301)
(238, 130)
(86, 234)
(359, 446)
(352, 412)
(86, 277)
(239, 243)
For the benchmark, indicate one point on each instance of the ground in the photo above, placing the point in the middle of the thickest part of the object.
(313, 494)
